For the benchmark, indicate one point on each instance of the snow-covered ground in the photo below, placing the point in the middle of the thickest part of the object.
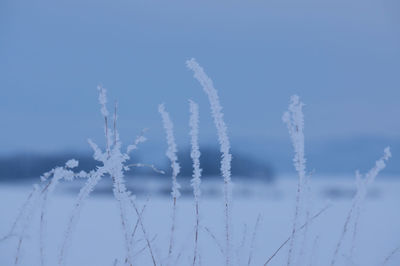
(98, 238)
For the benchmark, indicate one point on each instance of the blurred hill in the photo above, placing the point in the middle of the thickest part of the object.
(29, 165)
(251, 158)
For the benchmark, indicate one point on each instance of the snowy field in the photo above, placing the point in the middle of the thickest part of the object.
(98, 238)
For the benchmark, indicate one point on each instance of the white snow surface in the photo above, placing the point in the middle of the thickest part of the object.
(99, 240)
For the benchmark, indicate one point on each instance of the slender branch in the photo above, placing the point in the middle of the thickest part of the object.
(253, 239)
(388, 258)
(298, 229)
(138, 221)
(171, 240)
(221, 249)
(144, 231)
(152, 166)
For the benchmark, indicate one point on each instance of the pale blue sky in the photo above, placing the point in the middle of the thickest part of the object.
(342, 57)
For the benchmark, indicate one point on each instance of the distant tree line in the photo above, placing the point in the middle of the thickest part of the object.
(29, 165)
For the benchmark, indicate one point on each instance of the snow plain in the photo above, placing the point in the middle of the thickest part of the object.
(98, 238)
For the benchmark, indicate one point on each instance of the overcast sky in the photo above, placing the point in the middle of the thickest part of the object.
(342, 57)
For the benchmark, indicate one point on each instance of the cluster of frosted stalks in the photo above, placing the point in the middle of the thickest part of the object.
(115, 162)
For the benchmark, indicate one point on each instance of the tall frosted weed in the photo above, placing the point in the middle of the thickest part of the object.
(216, 111)
(171, 154)
(354, 212)
(196, 180)
(114, 165)
(40, 193)
(294, 120)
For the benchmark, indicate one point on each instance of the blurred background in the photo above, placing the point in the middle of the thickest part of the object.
(341, 57)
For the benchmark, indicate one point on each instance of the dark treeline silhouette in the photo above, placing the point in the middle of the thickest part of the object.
(210, 161)
(29, 165)
(23, 166)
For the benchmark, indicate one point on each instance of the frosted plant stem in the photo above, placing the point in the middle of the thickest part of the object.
(139, 215)
(171, 154)
(26, 223)
(93, 178)
(389, 257)
(185, 243)
(213, 237)
(21, 213)
(216, 111)
(296, 215)
(125, 229)
(59, 173)
(300, 228)
(253, 240)
(314, 251)
(196, 236)
(137, 221)
(240, 248)
(171, 240)
(151, 166)
(196, 181)
(343, 233)
(355, 230)
(84, 193)
(42, 228)
(294, 120)
(227, 225)
(358, 199)
(105, 113)
(307, 204)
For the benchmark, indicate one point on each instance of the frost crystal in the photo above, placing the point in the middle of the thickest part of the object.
(103, 100)
(359, 198)
(195, 152)
(218, 116)
(294, 120)
(72, 163)
(172, 150)
(216, 111)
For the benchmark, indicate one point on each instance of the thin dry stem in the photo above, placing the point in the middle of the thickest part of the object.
(390, 256)
(253, 240)
(123, 223)
(221, 249)
(296, 215)
(144, 231)
(151, 166)
(183, 247)
(344, 231)
(196, 236)
(138, 221)
(42, 229)
(171, 240)
(300, 228)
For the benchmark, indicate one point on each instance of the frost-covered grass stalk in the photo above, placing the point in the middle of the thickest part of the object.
(216, 111)
(294, 120)
(57, 174)
(171, 154)
(25, 219)
(40, 193)
(113, 161)
(196, 180)
(390, 256)
(253, 240)
(315, 216)
(94, 177)
(354, 212)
